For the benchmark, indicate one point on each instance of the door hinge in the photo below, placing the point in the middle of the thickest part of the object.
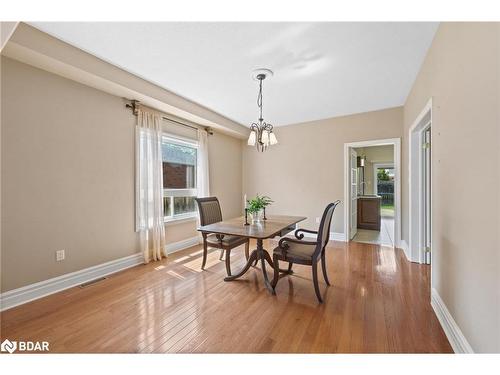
(427, 249)
(426, 145)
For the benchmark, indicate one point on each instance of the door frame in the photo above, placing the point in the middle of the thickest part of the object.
(396, 142)
(351, 153)
(415, 180)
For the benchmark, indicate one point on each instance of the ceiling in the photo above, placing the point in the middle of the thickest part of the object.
(321, 70)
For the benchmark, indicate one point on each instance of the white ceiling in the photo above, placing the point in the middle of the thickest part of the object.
(321, 70)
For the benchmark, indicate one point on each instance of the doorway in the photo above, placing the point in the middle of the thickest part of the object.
(374, 196)
(372, 192)
(420, 186)
(426, 192)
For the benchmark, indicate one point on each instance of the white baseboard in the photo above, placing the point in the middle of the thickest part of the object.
(404, 246)
(16, 297)
(455, 336)
(44, 288)
(184, 244)
(336, 236)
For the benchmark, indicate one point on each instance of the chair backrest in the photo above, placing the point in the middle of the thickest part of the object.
(324, 227)
(209, 209)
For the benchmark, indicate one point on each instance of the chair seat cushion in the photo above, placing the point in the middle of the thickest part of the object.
(296, 250)
(226, 241)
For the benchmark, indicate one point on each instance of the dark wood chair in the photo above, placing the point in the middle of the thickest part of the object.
(296, 250)
(210, 212)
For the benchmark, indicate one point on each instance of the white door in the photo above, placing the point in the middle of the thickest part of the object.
(353, 220)
(426, 164)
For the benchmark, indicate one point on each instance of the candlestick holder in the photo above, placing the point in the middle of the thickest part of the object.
(246, 216)
(265, 218)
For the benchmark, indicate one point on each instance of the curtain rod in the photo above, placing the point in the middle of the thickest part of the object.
(133, 107)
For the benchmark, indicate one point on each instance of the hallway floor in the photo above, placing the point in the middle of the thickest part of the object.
(385, 237)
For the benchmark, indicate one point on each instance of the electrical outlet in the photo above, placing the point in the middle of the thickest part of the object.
(60, 255)
(318, 219)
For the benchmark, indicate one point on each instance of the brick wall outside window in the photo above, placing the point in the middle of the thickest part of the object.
(174, 176)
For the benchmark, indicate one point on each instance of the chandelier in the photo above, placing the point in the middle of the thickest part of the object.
(261, 135)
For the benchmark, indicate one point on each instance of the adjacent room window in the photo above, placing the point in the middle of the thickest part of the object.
(179, 178)
(385, 188)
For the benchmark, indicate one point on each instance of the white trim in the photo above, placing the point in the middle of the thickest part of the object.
(415, 214)
(184, 244)
(404, 246)
(337, 236)
(453, 332)
(188, 192)
(396, 142)
(179, 139)
(44, 288)
(180, 219)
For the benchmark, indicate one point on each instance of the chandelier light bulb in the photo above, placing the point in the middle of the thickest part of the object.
(272, 139)
(252, 138)
(265, 137)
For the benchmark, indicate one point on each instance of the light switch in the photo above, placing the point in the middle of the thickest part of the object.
(60, 255)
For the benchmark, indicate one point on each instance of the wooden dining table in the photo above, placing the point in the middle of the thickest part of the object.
(274, 225)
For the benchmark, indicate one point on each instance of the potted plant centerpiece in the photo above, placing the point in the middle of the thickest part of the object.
(256, 207)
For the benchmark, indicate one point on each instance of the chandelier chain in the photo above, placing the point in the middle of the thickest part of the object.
(259, 100)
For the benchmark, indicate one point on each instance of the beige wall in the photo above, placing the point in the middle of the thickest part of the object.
(225, 159)
(305, 171)
(461, 74)
(374, 154)
(68, 176)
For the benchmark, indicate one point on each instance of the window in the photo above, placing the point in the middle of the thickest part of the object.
(384, 186)
(179, 178)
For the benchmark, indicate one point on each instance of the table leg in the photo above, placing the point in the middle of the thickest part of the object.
(264, 256)
(252, 258)
(268, 259)
(258, 254)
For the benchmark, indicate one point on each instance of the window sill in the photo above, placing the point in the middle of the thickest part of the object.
(180, 219)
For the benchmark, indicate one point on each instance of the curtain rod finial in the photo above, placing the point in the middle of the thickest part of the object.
(133, 106)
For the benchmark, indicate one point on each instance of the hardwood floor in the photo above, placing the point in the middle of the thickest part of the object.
(378, 303)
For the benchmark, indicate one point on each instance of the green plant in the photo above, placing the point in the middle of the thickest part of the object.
(258, 203)
(382, 175)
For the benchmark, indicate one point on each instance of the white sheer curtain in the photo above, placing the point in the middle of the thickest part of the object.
(203, 179)
(149, 186)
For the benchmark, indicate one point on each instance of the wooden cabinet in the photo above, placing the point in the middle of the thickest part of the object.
(369, 213)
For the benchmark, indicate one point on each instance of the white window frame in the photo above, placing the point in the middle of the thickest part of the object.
(181, 141)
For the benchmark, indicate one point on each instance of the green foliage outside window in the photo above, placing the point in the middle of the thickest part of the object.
(382, 175)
